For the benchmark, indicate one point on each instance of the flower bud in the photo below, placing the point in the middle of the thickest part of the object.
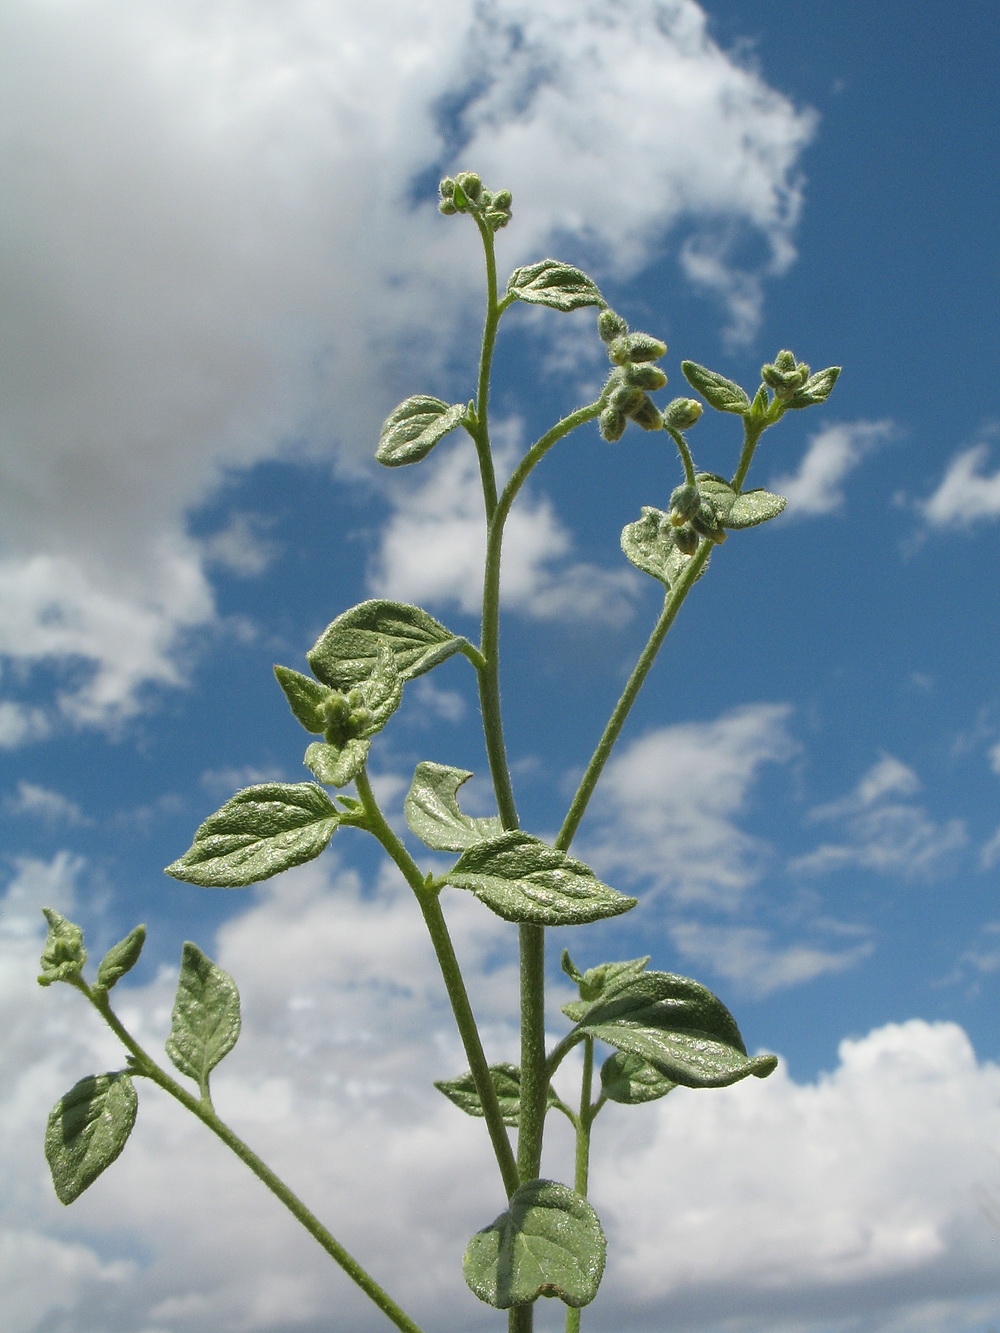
(447, 188)
(470, 185)
(682, 413)
(785, 376)
(684, 503)
(610, 325)
(647, 415)
(447, 208)
(646, 376)
(626, 398)
(686, 540)
(502, 200)
(706, 521)
(612, 424)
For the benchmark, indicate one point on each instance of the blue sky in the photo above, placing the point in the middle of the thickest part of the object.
(224, 267)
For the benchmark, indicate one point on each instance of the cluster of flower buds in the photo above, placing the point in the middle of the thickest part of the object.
(785, 376)
(694, 515)
(345, 716)
(633, 379)
(467, 194)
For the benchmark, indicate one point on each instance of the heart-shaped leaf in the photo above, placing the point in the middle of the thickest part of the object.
(507, 1082)
(753, 507)
(87, 1130)
(723, 394)
(412, 429)
(257, 833)
(206, 1016)
(552, 283)
(523, 879)
(630, 1080)
(432, 812)
(549, 1242)
(347, 651)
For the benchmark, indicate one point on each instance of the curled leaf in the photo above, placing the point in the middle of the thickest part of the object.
(723, 394)
(432, 811)
(412, 429)
(348, 650)
(552, 283)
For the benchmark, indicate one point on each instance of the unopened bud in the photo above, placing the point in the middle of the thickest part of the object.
(785, 376)
(626, 398)
(447, 188)
(447, 208)
(646, 376)
(610, 326)
(686, 540)
(684, 503)
(647, 415)
(706, 521)
(612, 424)
(470, 185)
(682, 413)
(502, 200)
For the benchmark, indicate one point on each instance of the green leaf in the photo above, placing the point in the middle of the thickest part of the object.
(63, 954)
(431, 810)
(507, 1081)
(337, 765)
(87, 1130)
(120, 958)
(522, 879)
(601, 982)
(206, 1016)
(630, 1080)
(816, 388)
(305, 697)
(411, 430)
(649, 544)
(259, 832)
(723, 394)
(549, 1242)
(382, 692)
(679, 1027)
(753, 507)
(717, 490)
(557, 285)
(347, 651)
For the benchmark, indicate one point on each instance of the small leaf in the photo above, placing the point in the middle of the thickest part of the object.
(557, 285)
(337, 765)
(601, 982)
(382, 692)
(723, 394)
(63, 954)
(305, 697)
(816, 388)
(259, 832)
(649, 544)
(121, 958)
(549, 1242)
(412, 429)
(347, 651)
(432, 812)
(206, 1016)
(87, 1130)
(630, 1080)
(522, 879)
(507, 1081)
(753, 507)
(678, 1026)
(717, 490)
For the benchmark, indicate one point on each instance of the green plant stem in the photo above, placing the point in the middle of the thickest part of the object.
(481, 430)
(444, 949)
(752, 431)
(582, 1174)
(672, 604)
(144, 1065)
(685, 454)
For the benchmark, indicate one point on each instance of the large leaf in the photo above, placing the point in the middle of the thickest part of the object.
(206, 1017)
(432, 812)
(549, 1242)
(649, 544)
(552, 283)
(753, 507)
(87, 1130)
(678, 1026)
(506, 1080)
(632, 1081)
(347, 651)
(258, 832)
(121, 958)
(723, 394)
(412, 429)
(523, 879)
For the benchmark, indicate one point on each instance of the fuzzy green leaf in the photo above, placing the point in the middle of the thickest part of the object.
(630, 1080)
(507, 1082)
(722, 394)
(753, 507)
(649, 544)
(432, 811)
(549, 1242)
(120, 958)
(337, 765)
(87, 1130)
(63, 954)
(305, 697)
(206, 1016)
(412, 429)
(601, 982)
(347, 651)
(259, 832)
(816, 388)
(552, 283)
(719, 492)
(523, 879)
(679, 1027)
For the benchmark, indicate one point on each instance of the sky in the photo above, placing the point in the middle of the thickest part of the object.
(223, 267)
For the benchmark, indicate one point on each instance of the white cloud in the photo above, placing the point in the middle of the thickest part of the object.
(211, 253)
(966, 493)
(434, 547)
(884, 832)
(748, 956)
(45, 804)
(849, 1201)
(816, 487)
(670, 802)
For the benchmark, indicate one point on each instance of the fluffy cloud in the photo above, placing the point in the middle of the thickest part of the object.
(670, 802)
(966, 493)
(851, 1200)
(816, 487)
(750, 958)
(212, 252)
